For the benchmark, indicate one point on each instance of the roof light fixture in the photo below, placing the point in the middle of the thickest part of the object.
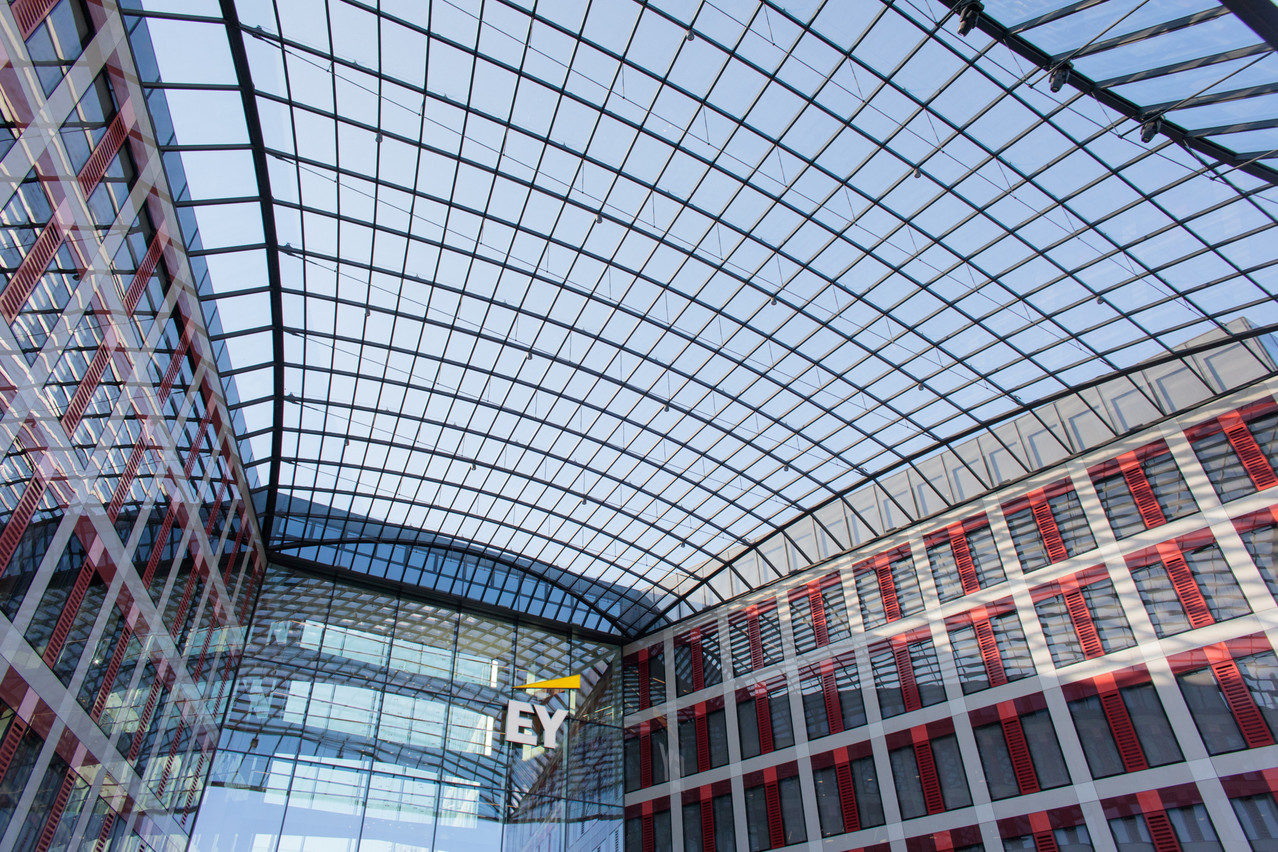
(1149, 128)
(1059, 76)
(969, 13)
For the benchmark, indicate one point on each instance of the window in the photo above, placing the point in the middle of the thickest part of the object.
(1237, 450)
(707, 813)
(87, 124)
(989, 647)
(1230, 697)
(697, 663)
(1072, 838)
(643, 679)
(1142, 489)
(1190, 826)
(1048, 525)
(907, 675)
(1122, 723)
(964, 558)
(818, 614)
(847, 790)
(648, 828)
(928, 771)
(1260, 534)
(57, 42)
(887, 587)
(703, 737)
(775, 803)
(832, 701)
(763, 718)
(1186, 584)
(645, 755)
(1018, 747)
(1258, 816)
(756, 638)
(1082, 617)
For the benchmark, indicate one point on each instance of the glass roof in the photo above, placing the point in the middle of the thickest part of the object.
(616, 286)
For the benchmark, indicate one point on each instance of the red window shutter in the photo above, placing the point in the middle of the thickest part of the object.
(28, 14)
(9, 746)
(55, 813)
(763, 716)
(817, 602)
(1120, 724)
(963, 558)
(1045, 841)
(1161, 832)
(887, 589)
(145, 269)
(756, 639)
(649, 833)
(707, 825)
(30, 270)
(60, 630)
(102, 155)
(191, 580)
(702, 726)
(157, 549)
(113, 669)
(126, 479)
(1022, 763)
(1047, 527)
(645, 682)
(932, 795)
(1134, 475)
(22, 514)
(989, 651)
(216, 511)
(195, 443)
(175, 364)
(88, 385)
(1182, 578)
(1249, 452)
(776, 828)
(645, 757)
(145, 720)
(847, 796)
(1242, 704)
(1081, 616)
(698, 664)
(830, 692)
(905, 672)
(104, 836)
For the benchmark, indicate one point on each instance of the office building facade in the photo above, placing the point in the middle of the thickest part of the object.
(987, 565)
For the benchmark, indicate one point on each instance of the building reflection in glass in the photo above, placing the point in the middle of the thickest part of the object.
(363, 720)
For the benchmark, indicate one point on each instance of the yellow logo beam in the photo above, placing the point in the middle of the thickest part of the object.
(573, 682)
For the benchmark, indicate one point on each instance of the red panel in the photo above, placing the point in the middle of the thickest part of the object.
(847, 796)
(887, 589)
(1047, 527)
(113, 670)
(1182, 578)
(928, 778)
(989, 651)
(776, 829)
(905, 672)
(1134, 475)
(830, 693)
(55, 813)
(963, 558)
(707, 825)
(69, 610)
(1081, 617)
(1249, 452)
(88, 385)
(1242, 704)
(817, 602)
(756, 639)
(143, 275)
(1022, 763)
(13, 531)
(1120, 724)
(763, 715)
(102, 155)
(1161, 831)
(29, 271)
(9, 746)
(29, 14)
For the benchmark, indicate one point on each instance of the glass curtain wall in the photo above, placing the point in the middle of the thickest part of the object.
(364, 720)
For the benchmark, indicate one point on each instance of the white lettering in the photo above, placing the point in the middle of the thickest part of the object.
(550, 723)
(519, 727)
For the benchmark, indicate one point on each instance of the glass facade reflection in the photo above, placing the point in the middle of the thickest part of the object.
(365, 720)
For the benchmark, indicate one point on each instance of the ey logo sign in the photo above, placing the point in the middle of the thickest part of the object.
(520, 714)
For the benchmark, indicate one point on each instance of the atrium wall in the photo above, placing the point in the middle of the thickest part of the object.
(128, 556)
(1083, 659)
(366, 719)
